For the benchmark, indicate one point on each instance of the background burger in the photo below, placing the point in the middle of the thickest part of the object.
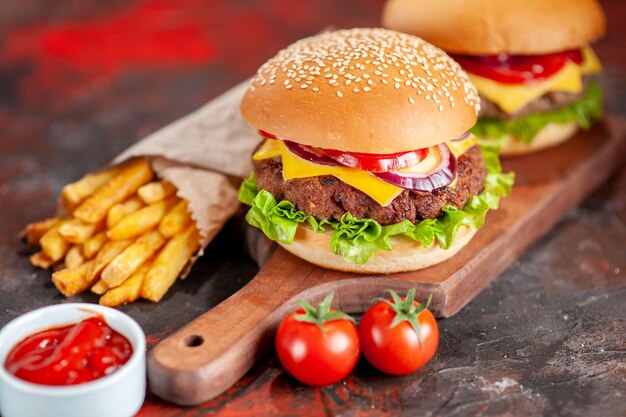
(530, 60)
(367, 164)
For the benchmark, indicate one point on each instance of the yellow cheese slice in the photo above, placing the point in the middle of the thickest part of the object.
(591, 63)
(269, 149)
(458, 148)
(380, 191)
(295, 167)
(510, 97)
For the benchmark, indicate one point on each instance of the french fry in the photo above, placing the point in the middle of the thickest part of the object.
(41, 260)
(128, 291)
(128, 261)
(109, 251)
(34, 231)
(100, 287)
(71, 281)
(130, 177)
(58, 266)
(74, 257)
(121, 210)
(77, 231)
(156, 191)
(94, 243)
(169, 263)
(73, 194)
(176, 220)
(53, 244)
(141, 221)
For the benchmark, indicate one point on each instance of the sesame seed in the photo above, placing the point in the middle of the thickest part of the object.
(396, 85)
(366, 88)
(339, 94)
(411, 100)
(288, 86)
(304, 86)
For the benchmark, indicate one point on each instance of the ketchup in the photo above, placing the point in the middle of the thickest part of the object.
(517, 69)
(69, 355)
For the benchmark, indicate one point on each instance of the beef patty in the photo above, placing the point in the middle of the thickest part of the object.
(326, 197)
(552, 100)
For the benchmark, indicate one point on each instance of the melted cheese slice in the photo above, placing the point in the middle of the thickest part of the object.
(380, 191)
(511, 97)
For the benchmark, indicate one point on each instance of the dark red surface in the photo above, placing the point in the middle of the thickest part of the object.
(81, 80)
(69, 355)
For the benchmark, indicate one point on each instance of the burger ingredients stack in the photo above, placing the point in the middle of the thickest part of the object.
(530, 61)
(367, 163)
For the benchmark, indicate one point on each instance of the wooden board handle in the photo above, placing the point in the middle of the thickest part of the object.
(210, 354)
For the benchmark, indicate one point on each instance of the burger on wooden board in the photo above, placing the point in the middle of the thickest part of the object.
(367, 164)
(530, 60)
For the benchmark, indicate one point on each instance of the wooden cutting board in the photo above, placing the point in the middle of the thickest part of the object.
(211, 353)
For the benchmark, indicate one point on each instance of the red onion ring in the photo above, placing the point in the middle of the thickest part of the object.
(439, 178)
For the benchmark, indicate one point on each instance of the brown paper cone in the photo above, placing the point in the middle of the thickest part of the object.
(198, 154)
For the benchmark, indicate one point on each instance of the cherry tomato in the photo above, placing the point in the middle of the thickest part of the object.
(318, 346)
(399, 335)
(516, 69)
(367, 161)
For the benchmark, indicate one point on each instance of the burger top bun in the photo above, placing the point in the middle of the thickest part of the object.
(481, 27)
(362, 90)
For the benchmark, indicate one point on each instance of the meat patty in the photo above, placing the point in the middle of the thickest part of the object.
(326, 197)
(550, 101)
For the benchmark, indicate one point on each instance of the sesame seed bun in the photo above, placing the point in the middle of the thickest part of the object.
(407, 255)
(481, 27)
(362, 90)
(551, 135)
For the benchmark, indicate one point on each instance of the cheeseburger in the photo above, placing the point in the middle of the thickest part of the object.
(366, 163)
(530, 61)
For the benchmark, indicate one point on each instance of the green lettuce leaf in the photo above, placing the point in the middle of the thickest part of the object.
(356, 240)
(583, 111)
(248, 190)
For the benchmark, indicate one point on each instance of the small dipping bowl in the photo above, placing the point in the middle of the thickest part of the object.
(119, 394)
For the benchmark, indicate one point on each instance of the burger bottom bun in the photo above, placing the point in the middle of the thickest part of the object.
(406, 255)
(551, 135)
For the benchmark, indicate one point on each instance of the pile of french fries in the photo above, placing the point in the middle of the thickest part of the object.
(128, 236)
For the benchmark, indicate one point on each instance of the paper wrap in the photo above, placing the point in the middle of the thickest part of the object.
(204, 154)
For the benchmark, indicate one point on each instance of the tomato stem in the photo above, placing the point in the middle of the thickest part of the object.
(322, 313)
(406, 310)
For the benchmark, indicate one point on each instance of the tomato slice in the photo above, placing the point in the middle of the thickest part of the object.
(517, 69)
(376, 163)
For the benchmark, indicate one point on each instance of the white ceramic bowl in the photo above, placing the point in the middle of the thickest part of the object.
(119, 394)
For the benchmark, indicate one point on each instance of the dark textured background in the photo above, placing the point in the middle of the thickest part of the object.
(81, 80)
